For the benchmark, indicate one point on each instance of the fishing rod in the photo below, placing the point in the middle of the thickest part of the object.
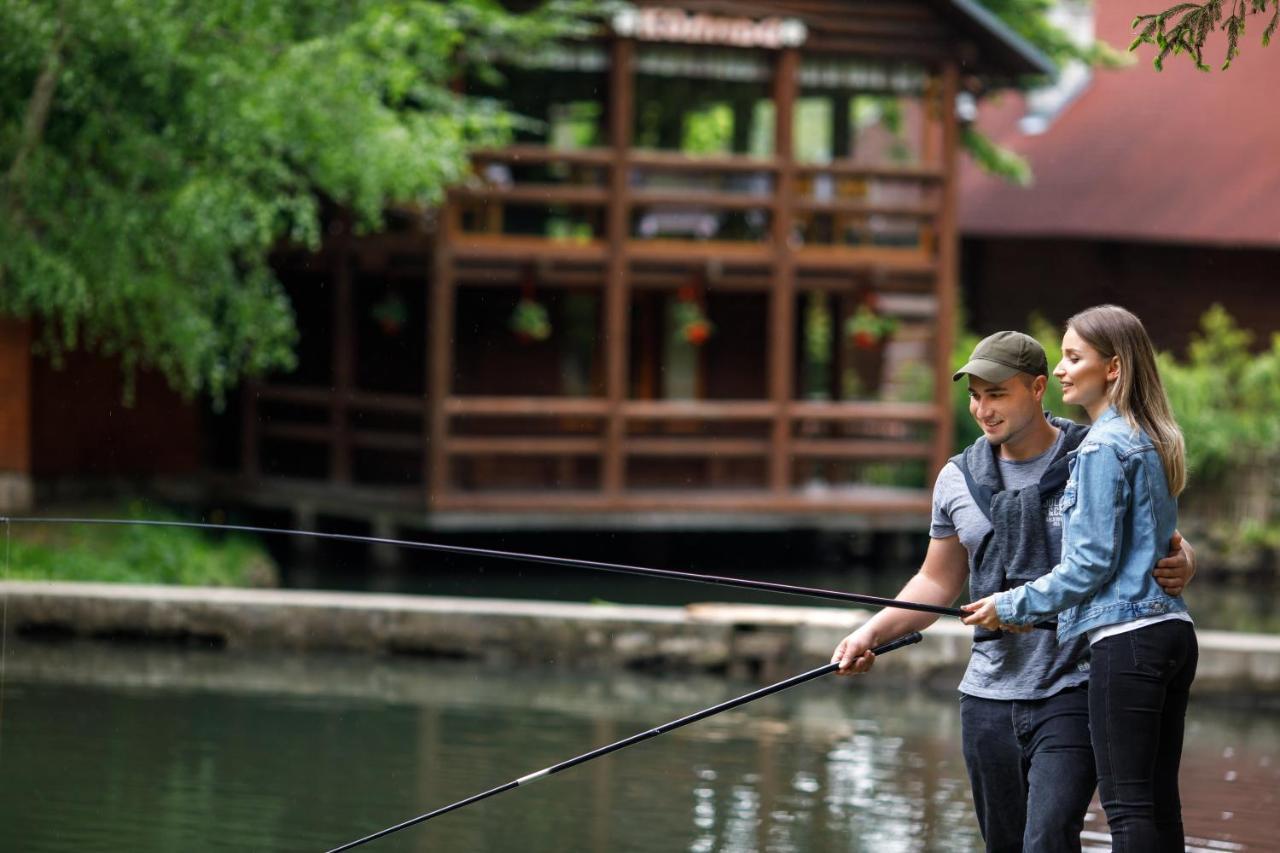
(913, 637)
(594, 565)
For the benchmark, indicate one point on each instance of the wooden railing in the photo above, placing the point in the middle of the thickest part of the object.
(489, 239)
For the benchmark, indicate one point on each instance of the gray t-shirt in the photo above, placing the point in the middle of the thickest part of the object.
(1016, 666)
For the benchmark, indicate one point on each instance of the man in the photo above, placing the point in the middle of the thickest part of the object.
(997, 523)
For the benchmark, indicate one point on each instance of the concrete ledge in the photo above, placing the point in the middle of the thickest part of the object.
(762, 642)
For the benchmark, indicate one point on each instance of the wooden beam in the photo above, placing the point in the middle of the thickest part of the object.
(869, 449)
(441, 323)
(524, 446)
(735, 410)
(948, 263)
(617, 301)
(782, 299)
(552, 407)
(699, 447)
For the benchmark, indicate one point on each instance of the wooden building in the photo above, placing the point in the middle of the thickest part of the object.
(716, 275)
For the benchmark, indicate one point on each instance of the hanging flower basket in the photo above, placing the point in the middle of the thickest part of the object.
(390, 314)
(529, 321)
(868, 329)
(692, 324)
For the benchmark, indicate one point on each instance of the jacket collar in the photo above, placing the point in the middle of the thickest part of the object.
(1109, 415)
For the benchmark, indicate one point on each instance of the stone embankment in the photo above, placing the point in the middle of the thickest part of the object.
(763, 642)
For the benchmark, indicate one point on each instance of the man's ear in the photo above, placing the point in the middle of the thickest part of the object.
(1038, 386)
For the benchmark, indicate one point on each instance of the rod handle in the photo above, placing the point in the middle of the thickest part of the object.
(904, 640)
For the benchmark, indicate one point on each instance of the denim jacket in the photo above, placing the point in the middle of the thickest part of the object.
(1117, 519)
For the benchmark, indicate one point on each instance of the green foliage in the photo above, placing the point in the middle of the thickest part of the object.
(1225, 397)
(120, 554)
(152, 153)
(1029, 19)
(1184, 27)
(995, 159)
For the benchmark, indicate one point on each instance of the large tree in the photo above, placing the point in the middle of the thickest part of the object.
(152, 152)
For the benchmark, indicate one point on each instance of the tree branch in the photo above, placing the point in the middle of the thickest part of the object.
(38, 107)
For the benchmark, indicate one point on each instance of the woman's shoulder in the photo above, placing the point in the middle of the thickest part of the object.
(1115, 432)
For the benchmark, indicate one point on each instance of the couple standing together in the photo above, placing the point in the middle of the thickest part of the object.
(1045, 517)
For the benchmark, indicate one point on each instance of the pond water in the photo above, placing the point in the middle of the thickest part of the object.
(107, 747)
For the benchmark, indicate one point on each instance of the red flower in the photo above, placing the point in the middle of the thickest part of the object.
(697, 332)
(864, 340)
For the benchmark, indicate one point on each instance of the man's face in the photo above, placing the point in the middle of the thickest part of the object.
(1005, 410)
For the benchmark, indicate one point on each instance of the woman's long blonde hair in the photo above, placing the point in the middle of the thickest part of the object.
(1138, 394)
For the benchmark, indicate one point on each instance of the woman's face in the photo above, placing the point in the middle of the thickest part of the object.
(1085, 374)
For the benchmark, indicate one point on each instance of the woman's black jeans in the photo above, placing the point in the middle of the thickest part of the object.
(1139, 682)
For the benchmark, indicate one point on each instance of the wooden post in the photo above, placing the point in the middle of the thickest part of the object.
(782, 295)
(948, 261)
(440, 324)
(617, 286)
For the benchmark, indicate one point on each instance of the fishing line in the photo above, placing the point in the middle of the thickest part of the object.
(913, 637)
(594, 565)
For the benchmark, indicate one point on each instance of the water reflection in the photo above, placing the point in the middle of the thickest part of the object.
(139, 749)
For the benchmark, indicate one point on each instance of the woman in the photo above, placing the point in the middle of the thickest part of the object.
(1119, 508)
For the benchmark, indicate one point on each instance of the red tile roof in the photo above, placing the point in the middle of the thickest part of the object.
(1179, 156)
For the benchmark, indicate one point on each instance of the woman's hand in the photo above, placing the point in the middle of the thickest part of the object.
(982, 613)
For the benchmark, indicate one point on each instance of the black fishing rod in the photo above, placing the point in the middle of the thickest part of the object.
(667, 574)
(913, 637)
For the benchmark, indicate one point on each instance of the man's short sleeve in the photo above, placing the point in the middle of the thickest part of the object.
(949, 485)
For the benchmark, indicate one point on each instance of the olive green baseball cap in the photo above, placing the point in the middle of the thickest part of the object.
(998, 357)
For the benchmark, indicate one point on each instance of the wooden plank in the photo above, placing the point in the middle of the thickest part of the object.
(866, 411)
(701, 250)
(708, 447)
(525, 406)
(948, 261)
(783, 297)
(925, 173)
(441, 322)
(533, 194)
(861, 501)
(521, 248)
(524, 446)
(675, 161)
(846, 448)
(617, 298)
(544, 154)
(729, 410)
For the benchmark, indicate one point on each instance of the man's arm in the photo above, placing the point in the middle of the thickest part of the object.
(1175, 571)
(940, 580)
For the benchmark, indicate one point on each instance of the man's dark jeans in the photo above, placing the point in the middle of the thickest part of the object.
(1139, 686)
(1031, 769)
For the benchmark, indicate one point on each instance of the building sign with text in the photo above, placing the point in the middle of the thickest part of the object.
(676, 25)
